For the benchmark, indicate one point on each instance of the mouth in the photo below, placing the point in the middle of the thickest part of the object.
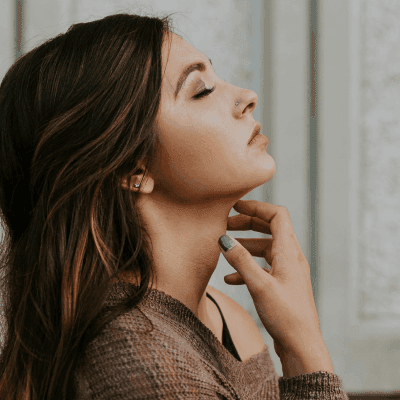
(256, 131)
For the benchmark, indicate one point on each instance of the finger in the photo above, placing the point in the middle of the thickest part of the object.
(236, 279)
(243, 222)
(265, 211)
(277, 217)
(259, 247)
(242, 261)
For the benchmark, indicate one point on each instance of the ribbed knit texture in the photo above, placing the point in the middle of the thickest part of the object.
(182, 359)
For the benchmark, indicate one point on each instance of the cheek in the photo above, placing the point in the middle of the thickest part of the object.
(204, 151)
(193, 157)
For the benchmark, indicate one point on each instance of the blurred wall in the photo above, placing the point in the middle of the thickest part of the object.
(359, 190)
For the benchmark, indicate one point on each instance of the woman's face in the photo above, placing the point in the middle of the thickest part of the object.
(205, 153)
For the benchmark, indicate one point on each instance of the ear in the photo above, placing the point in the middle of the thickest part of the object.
(146, 186)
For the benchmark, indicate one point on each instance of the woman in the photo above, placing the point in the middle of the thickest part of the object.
(120, 165)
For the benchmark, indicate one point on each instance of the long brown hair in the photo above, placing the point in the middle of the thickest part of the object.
(77, 114)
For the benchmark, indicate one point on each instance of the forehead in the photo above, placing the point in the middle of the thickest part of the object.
(176, 54)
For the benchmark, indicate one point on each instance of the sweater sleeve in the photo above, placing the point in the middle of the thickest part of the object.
(121, 364)
(317, 385)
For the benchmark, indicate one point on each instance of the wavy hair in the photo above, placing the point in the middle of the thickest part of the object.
(77, 115)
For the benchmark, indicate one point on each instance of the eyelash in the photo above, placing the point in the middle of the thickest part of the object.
(204, 93)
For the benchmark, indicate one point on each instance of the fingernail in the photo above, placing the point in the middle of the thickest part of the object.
(226, 243)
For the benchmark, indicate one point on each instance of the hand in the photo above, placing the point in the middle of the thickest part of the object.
(283, 295)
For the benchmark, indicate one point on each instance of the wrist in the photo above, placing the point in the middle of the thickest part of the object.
(310, 359)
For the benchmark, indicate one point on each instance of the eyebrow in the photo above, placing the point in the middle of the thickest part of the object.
(199, 66)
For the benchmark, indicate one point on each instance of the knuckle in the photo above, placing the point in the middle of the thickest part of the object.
(282, 210)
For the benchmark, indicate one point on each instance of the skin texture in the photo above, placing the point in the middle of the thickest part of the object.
(204, 167)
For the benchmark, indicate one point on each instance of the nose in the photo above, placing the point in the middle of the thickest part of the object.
(248, 104)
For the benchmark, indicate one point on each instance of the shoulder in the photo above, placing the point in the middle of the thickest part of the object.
(244, 331)
(233, 309)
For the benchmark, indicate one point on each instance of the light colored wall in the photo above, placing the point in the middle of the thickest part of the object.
(7, 18)
(359, 191)
(380, 158)
(285, 86)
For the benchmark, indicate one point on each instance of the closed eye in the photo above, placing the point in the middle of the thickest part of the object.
(204, 93)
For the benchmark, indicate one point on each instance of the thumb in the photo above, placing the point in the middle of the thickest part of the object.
(248, 271)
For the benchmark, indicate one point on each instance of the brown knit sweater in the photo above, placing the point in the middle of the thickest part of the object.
(182, 359)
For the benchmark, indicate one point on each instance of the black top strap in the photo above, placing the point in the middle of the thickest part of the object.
(226, 336)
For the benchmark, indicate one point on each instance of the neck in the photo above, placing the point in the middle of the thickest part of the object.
(185, 247)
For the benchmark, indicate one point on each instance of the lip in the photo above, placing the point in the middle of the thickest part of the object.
(256, 132)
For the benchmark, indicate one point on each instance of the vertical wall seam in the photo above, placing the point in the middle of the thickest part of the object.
(19, 28)
(313, 145)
